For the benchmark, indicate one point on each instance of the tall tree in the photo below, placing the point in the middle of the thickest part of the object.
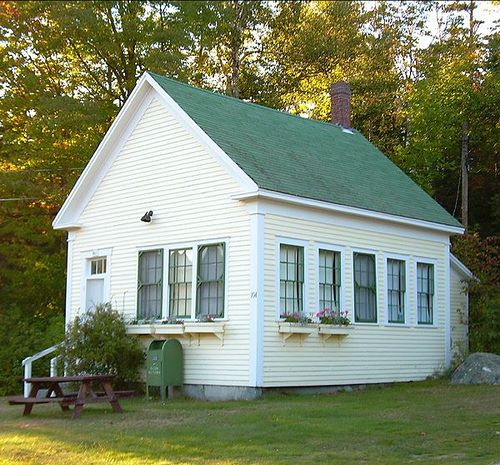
(458, 84)
(65, 69)
(225, 43)
(311, 45)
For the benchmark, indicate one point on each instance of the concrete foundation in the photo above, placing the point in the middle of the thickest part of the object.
(221, 393)
(214, 393)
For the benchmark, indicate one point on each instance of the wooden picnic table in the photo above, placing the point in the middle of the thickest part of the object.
(85, 395)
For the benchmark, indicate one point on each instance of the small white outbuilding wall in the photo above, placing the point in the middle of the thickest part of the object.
(459, 309)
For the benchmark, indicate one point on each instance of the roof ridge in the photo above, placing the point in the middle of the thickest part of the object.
(235, 99)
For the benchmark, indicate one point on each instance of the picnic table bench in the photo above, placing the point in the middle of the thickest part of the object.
(85, 395)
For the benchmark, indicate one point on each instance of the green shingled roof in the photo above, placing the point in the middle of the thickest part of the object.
(304, 157)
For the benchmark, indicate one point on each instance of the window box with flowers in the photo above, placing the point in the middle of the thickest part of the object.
(155, 327)
(296, 323)
(140, 329)
(205, 325)
(334, 323)
(170, 327)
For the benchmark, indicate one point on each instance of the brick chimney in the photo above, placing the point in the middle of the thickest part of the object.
(340, 93)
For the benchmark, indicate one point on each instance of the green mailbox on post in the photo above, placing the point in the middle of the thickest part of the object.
(164, 366)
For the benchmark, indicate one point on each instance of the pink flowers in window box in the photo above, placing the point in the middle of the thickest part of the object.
(327, 316)
(297, 318)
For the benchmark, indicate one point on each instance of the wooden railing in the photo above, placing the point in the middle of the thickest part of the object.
(28, 361)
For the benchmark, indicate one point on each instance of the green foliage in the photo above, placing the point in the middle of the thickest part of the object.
(97, 343)
(485, 321)
(482, 257)
(21, 337)
(313, 44)
(458, 82)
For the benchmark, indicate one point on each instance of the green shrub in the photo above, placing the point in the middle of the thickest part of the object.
(97, 343)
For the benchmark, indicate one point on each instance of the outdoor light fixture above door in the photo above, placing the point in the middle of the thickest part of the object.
(147, 216)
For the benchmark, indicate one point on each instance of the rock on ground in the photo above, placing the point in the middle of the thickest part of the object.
(478, 368)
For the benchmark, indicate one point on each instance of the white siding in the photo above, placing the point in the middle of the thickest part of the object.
(459, 316)
(161, 167)
(373, 352)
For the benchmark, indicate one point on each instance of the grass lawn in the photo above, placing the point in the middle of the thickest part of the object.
(422, 423)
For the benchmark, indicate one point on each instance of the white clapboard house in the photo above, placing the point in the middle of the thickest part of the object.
(197, 206)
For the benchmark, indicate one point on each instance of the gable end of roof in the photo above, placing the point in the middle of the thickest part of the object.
(146, 89)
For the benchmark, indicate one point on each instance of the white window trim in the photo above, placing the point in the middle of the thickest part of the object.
(377, 283)
(341, 250)
(166, 285)
(298, 243)
(406, 260)
(193, 245)
(86, 256)
(429, 261)
(148, 249)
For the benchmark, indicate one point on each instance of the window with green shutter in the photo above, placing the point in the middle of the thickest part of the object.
(425, 293)
(396, 290)
(291, 279)
(210, 281)
(329, 279)
(150, 282)
(365, 288)
(180, 281)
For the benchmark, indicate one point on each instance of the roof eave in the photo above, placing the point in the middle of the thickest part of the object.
(67, 226)
(322, 205)
(462, 268)
(69, 214)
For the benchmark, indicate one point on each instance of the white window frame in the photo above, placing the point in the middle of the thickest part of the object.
(376, 254)
(333, 248)
(406, 260)
(193, 245)
(149, 249)
(86, 257)
(194, 308)
(297, 243)
(428, 261)
(166, 284)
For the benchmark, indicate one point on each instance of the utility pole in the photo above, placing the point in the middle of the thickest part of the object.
(465, 175)
(465, 127)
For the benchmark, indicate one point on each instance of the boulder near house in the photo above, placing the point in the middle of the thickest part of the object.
(199, 204)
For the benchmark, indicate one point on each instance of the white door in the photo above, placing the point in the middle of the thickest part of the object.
(95, 282)
(94, 293)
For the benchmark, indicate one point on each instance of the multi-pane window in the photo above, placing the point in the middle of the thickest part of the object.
(149, 291)
(180, 281)
(291, 279)
(98, 265)
(329, 279)
(396, 290)
(365, 288)
(425, 293)
(210, 280)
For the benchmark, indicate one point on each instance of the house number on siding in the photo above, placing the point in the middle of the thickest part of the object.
(253, 295)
